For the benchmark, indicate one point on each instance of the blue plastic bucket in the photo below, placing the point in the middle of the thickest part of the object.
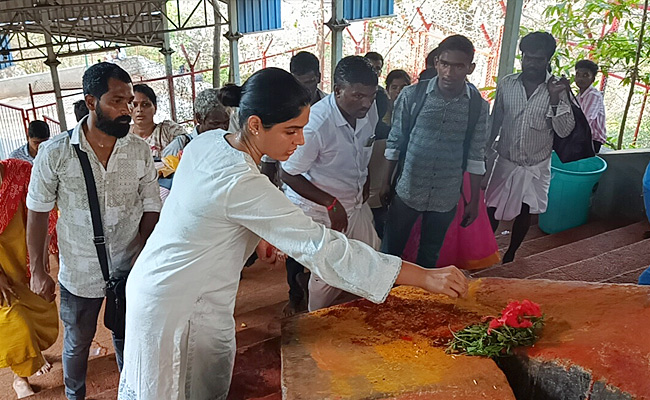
(569, 196)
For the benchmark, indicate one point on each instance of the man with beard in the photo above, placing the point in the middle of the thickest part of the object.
(529, 108)
(128, 194)
(327, 177)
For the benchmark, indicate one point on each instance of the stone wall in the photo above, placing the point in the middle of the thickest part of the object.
(19, 86)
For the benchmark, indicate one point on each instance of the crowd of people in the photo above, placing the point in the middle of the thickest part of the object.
(354, 191)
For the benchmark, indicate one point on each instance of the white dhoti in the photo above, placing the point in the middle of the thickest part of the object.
(360, 227)
(511, 185)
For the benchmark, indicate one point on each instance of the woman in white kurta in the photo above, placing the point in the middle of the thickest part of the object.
(180, 331)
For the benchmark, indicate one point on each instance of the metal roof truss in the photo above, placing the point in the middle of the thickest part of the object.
(81, 27)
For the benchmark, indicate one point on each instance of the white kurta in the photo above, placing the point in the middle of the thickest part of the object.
(180, 331)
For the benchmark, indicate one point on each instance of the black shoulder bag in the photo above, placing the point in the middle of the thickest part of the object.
(579, 144)
(115, 291)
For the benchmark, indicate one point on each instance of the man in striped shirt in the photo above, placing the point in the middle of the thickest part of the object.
(591, 101)
(529, 108)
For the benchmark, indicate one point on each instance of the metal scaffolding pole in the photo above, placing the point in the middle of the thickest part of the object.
(337, 24)
(53, 63)
(233, 35)
(216, 50)
(510, 38)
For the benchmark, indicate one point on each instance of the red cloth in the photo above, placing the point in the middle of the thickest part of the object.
(13, 194)
(13, 190)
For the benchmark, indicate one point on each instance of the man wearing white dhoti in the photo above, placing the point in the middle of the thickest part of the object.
(328, 176)
(180, 332)
(529, 108)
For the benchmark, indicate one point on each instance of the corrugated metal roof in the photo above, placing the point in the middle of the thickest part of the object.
(362, 9)
(258, 15)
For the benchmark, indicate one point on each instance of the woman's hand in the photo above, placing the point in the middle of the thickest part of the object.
(269, 254)
(449, 281)
(7, 293)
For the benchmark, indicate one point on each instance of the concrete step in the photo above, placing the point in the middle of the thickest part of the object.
(545, 242)
(623, 265)
(563, 248)
(101, 382)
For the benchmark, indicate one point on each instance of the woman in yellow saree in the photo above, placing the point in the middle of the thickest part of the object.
(28, 323)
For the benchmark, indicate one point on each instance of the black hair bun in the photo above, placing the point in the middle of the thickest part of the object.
(230, 95)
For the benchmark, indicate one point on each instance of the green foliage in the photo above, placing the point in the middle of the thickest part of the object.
(583, 30)
(475, 340)
(586, 29)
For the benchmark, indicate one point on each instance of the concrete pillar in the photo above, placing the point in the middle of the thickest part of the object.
(233, 35)
(53, 63)
(337, 24)
(510, 38)
(169, 72)
(216, 47)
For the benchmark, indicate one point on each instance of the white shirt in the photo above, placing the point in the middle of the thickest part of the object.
(126, 189)
(334, 157)
(188, 273)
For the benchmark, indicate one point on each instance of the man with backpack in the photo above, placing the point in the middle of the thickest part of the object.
(439, 130)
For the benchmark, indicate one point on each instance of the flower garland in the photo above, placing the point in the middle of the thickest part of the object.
(520, 324)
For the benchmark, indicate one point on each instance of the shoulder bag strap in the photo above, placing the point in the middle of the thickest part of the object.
(98, 231)
(414, 107)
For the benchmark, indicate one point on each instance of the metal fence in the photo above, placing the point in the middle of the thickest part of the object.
(13, 128)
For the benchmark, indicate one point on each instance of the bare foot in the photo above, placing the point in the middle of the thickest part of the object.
(45, 368)
(22, 387)
(292, 308)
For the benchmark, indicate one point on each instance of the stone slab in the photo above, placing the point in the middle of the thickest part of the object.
(395, 350)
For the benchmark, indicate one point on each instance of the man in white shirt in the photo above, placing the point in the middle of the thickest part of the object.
(127, 190)
(328, 176)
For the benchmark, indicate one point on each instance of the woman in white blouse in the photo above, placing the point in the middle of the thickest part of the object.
(180, 330)
(158, 136)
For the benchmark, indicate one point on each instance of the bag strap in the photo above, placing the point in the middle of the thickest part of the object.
(188, 138)
(414, 106)
(475, 106)
(98, 231)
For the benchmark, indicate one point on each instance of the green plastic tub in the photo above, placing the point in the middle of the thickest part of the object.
(569, 196)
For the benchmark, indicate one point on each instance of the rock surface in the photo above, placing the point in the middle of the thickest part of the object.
(593, 346)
